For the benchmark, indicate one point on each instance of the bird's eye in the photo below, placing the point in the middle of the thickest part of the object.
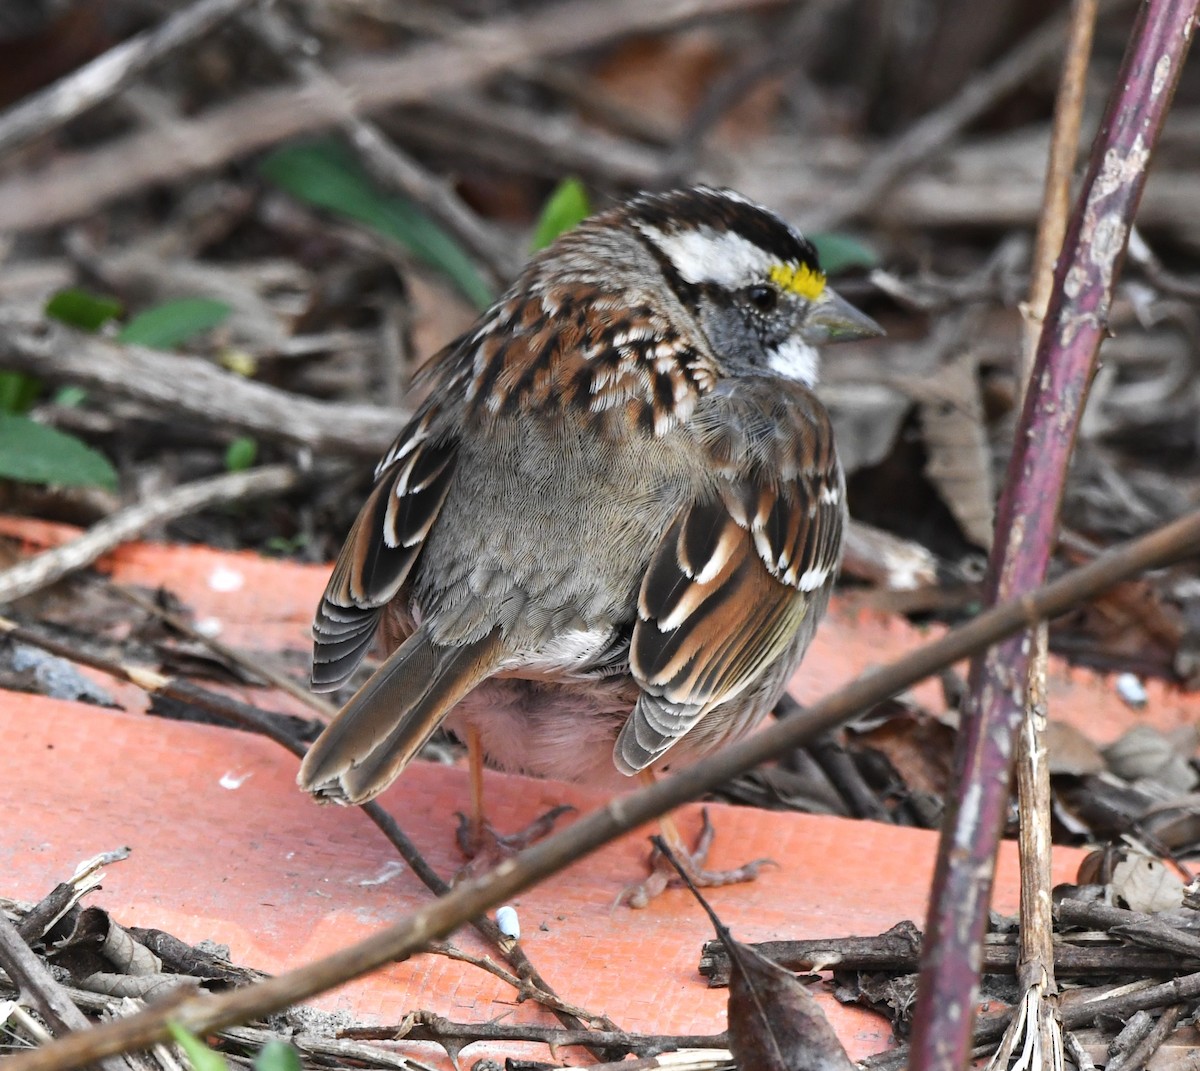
(763, 298)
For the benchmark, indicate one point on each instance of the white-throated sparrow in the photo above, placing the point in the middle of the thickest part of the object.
(603, 543)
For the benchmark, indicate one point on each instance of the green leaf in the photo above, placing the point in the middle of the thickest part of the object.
(840, 252)
(78, 308)
(172, 323)
(18, 391)
(564, 209)
(277, 1055)
(326, 175)
(199, 1055)
(35, 453)
(70, 396)
(285, 545)
(241, 453)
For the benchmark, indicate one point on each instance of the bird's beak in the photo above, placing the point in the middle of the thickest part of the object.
(833, 319)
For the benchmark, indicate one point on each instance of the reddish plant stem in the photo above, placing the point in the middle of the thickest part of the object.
(1027, 522)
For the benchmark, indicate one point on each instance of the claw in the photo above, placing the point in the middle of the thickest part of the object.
(662, 874)
(484, 847)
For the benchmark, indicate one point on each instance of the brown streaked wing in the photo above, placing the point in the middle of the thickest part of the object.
(797, 528)
(380, 550)
(711, 619)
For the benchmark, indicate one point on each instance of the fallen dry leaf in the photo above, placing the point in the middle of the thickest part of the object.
(774, 1022)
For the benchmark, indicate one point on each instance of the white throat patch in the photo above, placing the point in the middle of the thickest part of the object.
(795, 359)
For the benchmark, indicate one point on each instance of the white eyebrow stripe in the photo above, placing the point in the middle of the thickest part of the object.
(704, 255)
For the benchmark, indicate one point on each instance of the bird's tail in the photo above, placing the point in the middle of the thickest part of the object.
(389, 719)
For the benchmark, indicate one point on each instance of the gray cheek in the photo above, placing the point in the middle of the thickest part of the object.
(731, 338)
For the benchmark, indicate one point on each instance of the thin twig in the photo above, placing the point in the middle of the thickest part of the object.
(1038, 1021)
(1036, 963)
(387, 163)
(112, 1007)
(334, 1051)
(76, 184)
(1144, 257)
(970, 196)
(899, 949)
(428, 1026)
(524, 987)
(1138, 1056)
(474, 896)
(1076, 1015)
(193, 387)
(697, 1060)
(1064, 150)
(1148, 930)
(52, 565)
(108, 73)
(497, 133)
(1079, 1055)
(36, 985)
(255, 667)
(271, 724)
(922, 141)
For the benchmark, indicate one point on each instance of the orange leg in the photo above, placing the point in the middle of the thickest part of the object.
(477, 838)
(475, 761)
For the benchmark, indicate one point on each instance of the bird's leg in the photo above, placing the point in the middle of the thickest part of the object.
(475, 763)
(477, 837)
(693, 860)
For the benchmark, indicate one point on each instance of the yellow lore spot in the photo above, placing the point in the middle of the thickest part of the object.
(799, 279)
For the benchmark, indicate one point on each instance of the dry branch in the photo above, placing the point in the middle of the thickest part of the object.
(498, 134)
(37, 986)
(77, 183)
(107, 74)
(253, 667)
(385, 162)
(46, 568)
(1027, 521)
(475, 896)
(172, 383)
(938, 128)
(899, 950)
(428, 1026)
(958, 197)
(1138, 1055)
(1120, 1003)
(1038, 1027)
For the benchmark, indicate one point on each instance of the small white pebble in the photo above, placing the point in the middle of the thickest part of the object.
(1131, 690)
(222, 578)
(209, 626)
(506, 919)
(232, 780)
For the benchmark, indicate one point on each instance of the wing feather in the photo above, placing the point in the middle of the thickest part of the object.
(724, 595)
(411, 484)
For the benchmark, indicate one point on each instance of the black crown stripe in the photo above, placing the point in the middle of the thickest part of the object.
(680, 210)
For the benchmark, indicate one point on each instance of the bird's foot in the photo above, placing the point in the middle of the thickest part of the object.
(484, 846)
(663, 874)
